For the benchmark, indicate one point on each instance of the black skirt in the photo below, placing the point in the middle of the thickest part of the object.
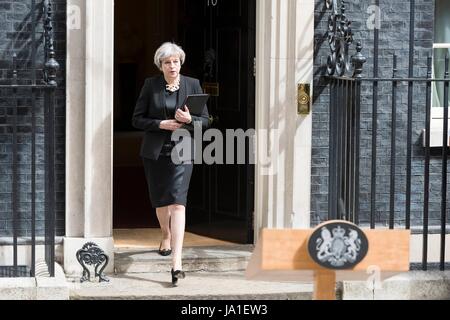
(168, 183)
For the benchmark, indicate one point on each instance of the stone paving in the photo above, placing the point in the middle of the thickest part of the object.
(230, 285)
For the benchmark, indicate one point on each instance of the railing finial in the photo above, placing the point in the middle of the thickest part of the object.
(429, 66)
(447, 57)
(14, 68)
(51, 65)
(358, 61)
(394, 67)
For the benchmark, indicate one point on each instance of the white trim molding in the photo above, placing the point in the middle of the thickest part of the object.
(285, 46)
(437, 113)
(285, 51)
(89, 131)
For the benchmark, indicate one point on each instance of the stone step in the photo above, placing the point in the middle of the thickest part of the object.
(412, 285)
(200, 285)
(214, 259)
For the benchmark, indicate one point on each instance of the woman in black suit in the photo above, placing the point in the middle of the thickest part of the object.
(159, 112)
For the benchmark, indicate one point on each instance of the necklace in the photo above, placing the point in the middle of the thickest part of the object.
(174, 86)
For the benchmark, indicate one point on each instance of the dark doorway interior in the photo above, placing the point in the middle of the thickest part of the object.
(219, 40)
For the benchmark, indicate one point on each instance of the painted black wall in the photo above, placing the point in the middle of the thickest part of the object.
(15, 37)
(394, 38)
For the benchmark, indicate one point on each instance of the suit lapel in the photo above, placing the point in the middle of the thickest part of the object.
(162, 101)
(182, 93)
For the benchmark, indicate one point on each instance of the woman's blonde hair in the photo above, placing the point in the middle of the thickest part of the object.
(166, 50)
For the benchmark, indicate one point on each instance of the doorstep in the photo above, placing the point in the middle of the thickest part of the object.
(208, 258)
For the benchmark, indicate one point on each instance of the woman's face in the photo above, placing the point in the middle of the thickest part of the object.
(171, 67)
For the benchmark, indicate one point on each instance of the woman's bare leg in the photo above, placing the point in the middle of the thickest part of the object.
(163, 215)
(177, 225)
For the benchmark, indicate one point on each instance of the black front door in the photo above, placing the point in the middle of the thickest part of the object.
(219, 39)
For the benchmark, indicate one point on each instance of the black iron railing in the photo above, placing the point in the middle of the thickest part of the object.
(371, 179)
(345, 154)
(26, 97)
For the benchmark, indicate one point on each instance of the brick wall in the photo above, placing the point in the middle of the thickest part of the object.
(394, 38)
(15, 37)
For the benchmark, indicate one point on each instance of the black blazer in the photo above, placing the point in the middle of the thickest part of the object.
(150, 111)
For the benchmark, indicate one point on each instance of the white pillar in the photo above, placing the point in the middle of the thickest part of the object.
(75, 117)
(89, 133)
(285, 47)
(99, 116)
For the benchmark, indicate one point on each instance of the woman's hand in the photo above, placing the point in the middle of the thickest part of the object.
(170, 125)
(183, 116)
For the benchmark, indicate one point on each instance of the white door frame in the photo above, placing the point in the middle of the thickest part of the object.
(284, 33)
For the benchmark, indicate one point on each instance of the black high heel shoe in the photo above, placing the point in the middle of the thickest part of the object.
(164, 252)
(178, 274)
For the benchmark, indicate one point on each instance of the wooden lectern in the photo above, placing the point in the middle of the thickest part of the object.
(282, 255)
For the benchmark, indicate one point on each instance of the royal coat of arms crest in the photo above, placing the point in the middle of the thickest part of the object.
(338, 245)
